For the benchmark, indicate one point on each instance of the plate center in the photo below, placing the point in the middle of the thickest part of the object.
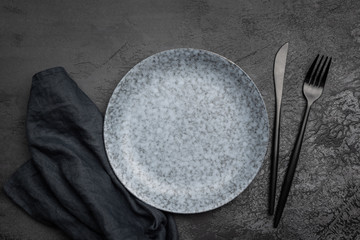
(187, 120)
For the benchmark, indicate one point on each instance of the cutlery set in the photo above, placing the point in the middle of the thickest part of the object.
(163, 140)
(312, 89)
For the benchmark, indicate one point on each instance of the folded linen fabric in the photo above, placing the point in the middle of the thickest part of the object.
(68, 182)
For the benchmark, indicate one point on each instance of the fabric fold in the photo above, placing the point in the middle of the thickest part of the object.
(69, 182)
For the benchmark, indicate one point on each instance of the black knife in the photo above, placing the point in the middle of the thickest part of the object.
(279, 72)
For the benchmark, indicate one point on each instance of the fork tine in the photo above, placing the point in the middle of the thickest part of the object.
(318, 77)
(323, 79)
(310, 71)
(316, 72)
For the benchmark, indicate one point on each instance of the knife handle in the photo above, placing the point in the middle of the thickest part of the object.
(274, 160)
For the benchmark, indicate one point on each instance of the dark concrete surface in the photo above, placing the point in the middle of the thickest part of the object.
(99, 41)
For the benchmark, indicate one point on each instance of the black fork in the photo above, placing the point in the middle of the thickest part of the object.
(313, 87)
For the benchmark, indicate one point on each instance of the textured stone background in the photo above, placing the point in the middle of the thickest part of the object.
(99, 41)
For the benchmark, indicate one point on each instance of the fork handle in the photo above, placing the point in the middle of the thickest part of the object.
(285, 189)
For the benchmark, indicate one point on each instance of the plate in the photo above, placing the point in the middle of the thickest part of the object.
(186, 130)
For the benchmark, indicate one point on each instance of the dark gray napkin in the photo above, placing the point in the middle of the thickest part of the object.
(68, 182)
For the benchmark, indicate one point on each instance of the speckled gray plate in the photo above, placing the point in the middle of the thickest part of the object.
(186, 130)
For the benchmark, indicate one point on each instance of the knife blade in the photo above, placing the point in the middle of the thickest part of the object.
(279, 72)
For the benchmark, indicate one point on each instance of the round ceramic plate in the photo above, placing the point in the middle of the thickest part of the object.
(186, 130)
